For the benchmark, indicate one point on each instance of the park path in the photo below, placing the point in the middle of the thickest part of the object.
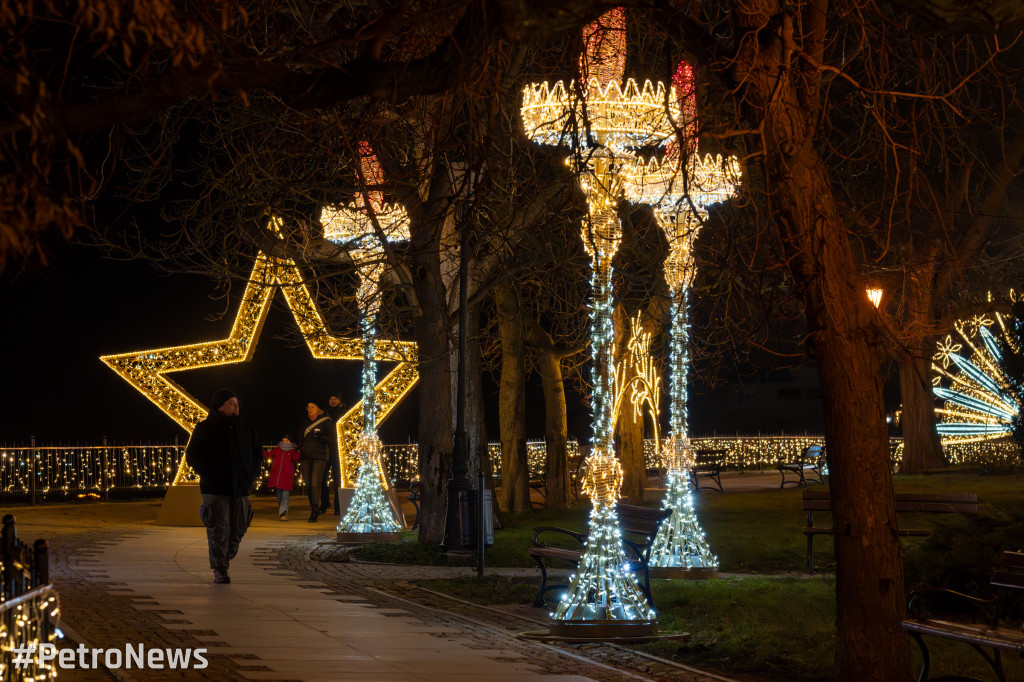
(284, 616)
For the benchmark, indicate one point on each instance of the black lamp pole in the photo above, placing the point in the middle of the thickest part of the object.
(459, 480)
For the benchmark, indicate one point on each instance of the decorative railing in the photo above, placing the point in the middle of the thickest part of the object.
(29, 608)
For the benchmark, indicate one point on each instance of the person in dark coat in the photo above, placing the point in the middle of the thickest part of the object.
(225, 452)
(335, 410)
(315, 441)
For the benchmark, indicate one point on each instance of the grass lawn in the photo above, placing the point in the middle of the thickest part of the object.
(778, 623)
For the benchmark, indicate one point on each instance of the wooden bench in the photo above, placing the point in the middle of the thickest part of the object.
(974, 621)
(806, 467)
(708, 463)
(906, 503)
(639, 526)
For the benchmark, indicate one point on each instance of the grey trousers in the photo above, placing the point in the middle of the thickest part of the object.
(226, 519)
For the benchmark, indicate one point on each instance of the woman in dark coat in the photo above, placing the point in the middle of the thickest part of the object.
(315, 441)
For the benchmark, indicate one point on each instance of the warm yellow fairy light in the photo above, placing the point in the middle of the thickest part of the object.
(875, 296)
(644, 386)
(603, 478)
(146, 370)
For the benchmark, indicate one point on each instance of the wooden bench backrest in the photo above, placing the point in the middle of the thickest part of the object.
(640, 520)
(819, 500)
(1009, 571)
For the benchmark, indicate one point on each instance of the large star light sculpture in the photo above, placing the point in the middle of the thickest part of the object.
(978, 402)
(359, 227)
(680, 187)
(602, 121)
(147, 370)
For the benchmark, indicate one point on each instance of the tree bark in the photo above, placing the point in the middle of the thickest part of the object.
(556, 431)
(515, 477)
(435, 431)
(870, 644)
(476, 422)
(922, 447)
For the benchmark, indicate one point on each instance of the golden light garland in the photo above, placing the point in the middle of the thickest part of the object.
(146, 370)
(603, 478)
(644, 386)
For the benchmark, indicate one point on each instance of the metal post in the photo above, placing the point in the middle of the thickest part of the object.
(105, 478)
(32, 471)
(459, 482)
(481, 536)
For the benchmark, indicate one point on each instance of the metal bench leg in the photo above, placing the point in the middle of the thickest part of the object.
(810, 552)
(926, 660)
(538, 601)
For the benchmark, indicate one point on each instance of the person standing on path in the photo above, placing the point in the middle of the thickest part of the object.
(335, 410)
(283, 460)
(225, 452)
(315, 442)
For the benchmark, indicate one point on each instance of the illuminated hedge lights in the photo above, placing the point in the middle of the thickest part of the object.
(606, 120)
(146, 370)
(978, 402)
(352, 227)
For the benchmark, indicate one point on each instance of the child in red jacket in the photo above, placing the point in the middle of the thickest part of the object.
(282, 472)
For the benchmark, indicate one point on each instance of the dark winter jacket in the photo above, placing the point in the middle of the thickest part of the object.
(226, 454)
(317, 437)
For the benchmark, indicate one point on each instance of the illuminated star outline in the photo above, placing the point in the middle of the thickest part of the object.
(146, 370)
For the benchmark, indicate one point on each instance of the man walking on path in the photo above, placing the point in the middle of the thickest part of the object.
(226, 454)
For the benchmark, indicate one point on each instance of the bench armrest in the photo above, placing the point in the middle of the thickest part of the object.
(922, 598)
(580, 538)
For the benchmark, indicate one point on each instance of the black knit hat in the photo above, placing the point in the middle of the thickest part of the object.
(222, 396)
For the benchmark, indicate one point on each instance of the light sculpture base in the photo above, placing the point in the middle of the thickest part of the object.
(363, 538)
(597, 630)
(181, 506)
(683, 573)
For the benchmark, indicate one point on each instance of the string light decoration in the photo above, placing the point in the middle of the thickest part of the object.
(370, 516)
(644, 386)
(680, 188)
(146, 370)
(607, 120)
(26, 625)
(978, 403)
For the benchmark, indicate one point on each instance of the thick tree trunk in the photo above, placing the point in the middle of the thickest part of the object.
(515, 476)
(870, 643)
(922, 448)
(556, 431)
(435, 431)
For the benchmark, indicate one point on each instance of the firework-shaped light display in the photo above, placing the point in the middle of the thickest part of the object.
(978, 403)
(602, 127)
(680, 186)
(359, 227)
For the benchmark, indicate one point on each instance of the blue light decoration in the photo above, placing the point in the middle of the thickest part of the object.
(680, 187)
(604, 598)
(977, 402)
(360, 227)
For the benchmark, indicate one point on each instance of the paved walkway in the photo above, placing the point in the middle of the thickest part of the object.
(123, 580)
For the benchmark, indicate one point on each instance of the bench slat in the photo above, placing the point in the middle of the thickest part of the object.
(997, 638)
(1012, 560)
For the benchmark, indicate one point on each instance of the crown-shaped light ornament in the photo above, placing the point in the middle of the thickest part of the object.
(370, 515)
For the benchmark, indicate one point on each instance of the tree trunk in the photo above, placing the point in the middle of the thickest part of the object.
(922, 448)
(556, 431)
(515, 477)
(870, 605)
(435, 431)
(628, 427)
(476, 422)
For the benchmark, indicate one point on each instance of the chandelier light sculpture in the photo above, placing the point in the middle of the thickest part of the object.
(978, 402)
(680, 187)
(360, 227)
(602, 121)
(147, 370)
